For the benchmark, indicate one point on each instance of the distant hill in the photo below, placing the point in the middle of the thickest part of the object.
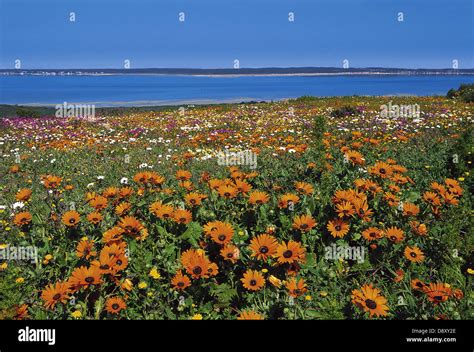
(241, 71)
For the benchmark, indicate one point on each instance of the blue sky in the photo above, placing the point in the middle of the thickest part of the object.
(216, 32)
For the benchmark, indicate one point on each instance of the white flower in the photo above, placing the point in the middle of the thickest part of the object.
(90, 185)
(18, 205)
(53, 161)
(100, 177)
(124, 181)
(3, 207)
(142, 166)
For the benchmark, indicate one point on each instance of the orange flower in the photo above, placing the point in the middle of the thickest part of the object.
(163, 211)
(85, 249)
(223, 233)
(53, 294)
(123, 208)
(345, 209)
(180, 281)
(399, 275)
(183, 175)
(94, 218)
(258, 197)
(230, 253)
(338, 228)
(142, 177)
(288, 199)
(83, 277)
(51, 181)
(410, 209)
(253, 280)
(417, 285)
(296, 287)
(372, 234)
(196, 264)
(250, 315)
(304, 188)
(110, 192)
(395, 234)
(114, 305)
(98, 203)
(227, 191)
(22, 219)
(354, 157)
(431, 198)
(194, 199)
(419, 229)
(71, 218)
(182, 216)
(381, 169)
(437, 292)
(263, 246)
(414, 254)
(23, 195)
(290, 252)
(132, 226)
(304, 223)
(370, 300)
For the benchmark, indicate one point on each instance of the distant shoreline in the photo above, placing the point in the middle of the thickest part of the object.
(241, 72)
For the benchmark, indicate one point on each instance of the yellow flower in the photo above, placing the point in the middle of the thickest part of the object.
(21, 234)
(127, 285)
(76, 314)
(3, 246)
(274, 281)
(308, 298)
(142, 285)
(8, 228)
(20, 280)
(323, 293)
(469, 271)
(154, 273)
(264, 270)
(149, 294)
(461, 179)
(3, 266)
(197, 317)
(85, 238)
(48, 257)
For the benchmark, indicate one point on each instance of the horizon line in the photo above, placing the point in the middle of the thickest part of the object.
(241, 68)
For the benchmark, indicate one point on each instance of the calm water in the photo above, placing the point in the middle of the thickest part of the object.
(159, 90)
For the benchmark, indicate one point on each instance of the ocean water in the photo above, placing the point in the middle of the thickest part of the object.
(142, 90)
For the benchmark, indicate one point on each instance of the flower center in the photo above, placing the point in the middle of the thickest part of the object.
(287, 254)
(197, 270)
(263, 249)
(370, 304)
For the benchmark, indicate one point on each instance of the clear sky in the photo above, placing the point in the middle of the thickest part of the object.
(216, 32)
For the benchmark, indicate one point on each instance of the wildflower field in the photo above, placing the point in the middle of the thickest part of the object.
(344, 214)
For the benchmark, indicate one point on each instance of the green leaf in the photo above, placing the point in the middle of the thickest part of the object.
(192, 233)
